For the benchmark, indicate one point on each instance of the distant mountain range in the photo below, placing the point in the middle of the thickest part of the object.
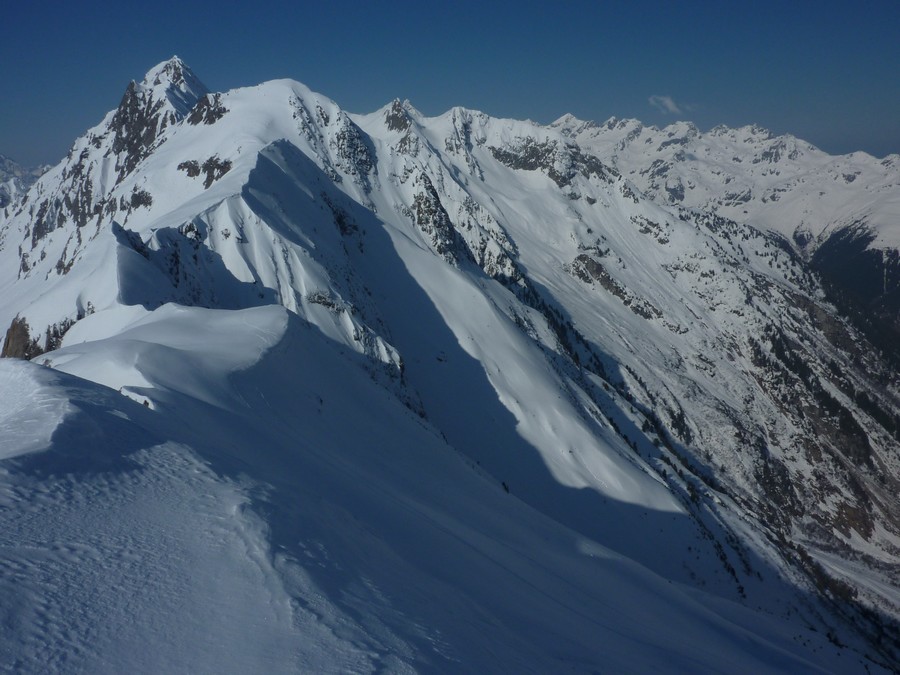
(15, 179)
(840, 213)
(397, 392)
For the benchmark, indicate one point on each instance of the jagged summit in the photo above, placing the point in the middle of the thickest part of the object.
(171, 70)
(396, 116)
(177, 82)
(410, 108)
(622, 123)
(570, 125)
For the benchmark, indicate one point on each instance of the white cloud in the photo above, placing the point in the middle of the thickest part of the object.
(665, 104)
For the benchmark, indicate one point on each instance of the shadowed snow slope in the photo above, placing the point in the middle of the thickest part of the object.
(278, 510)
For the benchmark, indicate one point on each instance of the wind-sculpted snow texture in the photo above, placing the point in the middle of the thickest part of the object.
(326, 392)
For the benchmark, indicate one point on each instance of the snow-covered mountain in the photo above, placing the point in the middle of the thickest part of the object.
(15, 179)
(361, 392)
(841, 213)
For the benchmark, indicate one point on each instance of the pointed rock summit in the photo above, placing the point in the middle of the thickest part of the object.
(177, 82)
(166, 95)
(570, 125)
(396, 117)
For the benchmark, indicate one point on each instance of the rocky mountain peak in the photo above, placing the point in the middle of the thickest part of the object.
(757, 132)
(570, 125)
(168, 92)
(177, 82)
(682, 129)
(396, 117)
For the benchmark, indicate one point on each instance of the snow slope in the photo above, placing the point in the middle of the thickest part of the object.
(451, 390)
(841, 213)
(752, 176)
(242, 522)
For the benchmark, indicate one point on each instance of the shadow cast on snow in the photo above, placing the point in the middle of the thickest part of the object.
(320, 502)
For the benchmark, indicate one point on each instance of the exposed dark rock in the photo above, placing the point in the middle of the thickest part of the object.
(130, 239)
(781, 504)
(432, 219)
(42, 226)
(409, 144)
(775, 152)
(353, 154)
(19, 344)
(141, 198)
(324, 117)
(675, 191)
(208, 110)
(588, 270)
(190, 167)
(658, 169)
(214, 168)
(56, 332)
(135, 125)
(463, 138)
(647, 226)
(342, 219)
(681, 141)
(79, 201)
(397, 119)
(561, 164)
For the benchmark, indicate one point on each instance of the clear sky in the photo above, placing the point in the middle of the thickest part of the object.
(827, 71)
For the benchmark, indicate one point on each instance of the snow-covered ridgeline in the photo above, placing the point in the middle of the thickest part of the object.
(649, 378)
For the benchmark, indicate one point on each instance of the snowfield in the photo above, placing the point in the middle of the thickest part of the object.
(286, 514)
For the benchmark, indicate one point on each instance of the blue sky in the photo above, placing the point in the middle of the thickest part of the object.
(826, 71)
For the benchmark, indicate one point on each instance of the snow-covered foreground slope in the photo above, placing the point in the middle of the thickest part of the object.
(452, 389)
(277, 510)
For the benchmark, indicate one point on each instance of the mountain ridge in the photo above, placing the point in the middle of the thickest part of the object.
(620, 355)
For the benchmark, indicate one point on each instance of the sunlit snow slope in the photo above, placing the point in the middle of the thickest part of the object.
(842, 213)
